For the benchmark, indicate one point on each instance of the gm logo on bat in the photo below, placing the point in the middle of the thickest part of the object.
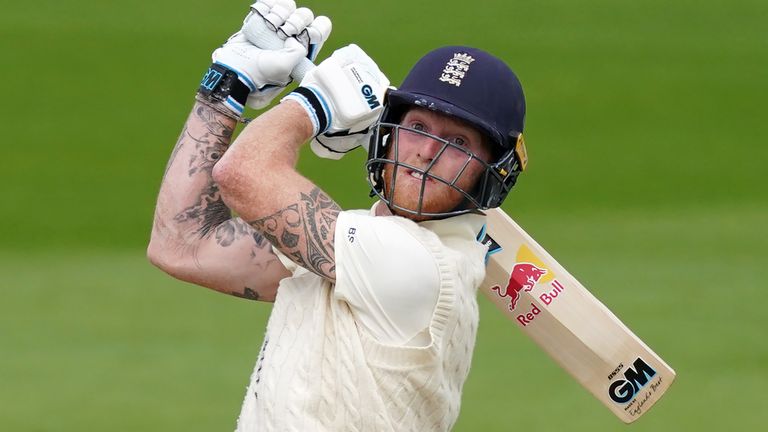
(636, 377)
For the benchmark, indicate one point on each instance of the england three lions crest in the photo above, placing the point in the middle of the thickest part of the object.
(456, 68)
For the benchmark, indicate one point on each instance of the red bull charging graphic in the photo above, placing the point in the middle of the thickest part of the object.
(527, 273)
(523, 277)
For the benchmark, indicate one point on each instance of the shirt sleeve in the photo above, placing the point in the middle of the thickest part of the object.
(388, 277)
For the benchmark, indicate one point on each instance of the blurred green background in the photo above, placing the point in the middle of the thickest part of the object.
(647, 135)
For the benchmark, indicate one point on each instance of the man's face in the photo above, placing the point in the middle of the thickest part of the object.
(419, 151)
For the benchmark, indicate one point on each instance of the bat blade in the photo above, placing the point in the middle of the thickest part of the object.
(585, 338)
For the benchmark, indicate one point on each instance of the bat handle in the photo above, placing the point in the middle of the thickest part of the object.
(301, 69)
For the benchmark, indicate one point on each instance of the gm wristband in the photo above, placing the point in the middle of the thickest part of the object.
(221, 83)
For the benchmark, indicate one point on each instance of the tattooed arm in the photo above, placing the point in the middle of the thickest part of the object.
(195, 238)
(258, 180)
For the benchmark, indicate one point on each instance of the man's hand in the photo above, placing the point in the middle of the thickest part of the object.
(275, 37)
(280, 20)
(270, 23)
(343, 93)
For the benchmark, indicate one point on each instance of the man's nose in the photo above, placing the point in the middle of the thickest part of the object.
(429, 149)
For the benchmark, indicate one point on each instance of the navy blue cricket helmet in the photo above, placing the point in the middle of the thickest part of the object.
(475, 87)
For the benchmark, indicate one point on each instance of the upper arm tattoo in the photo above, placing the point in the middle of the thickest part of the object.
(304, 231)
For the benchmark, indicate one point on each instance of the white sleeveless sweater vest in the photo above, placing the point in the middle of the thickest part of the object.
(317, 371)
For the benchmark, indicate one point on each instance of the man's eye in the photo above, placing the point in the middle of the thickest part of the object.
(418, 126)
(459, 141)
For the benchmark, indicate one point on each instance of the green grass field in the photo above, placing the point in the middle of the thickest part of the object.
(647, 180)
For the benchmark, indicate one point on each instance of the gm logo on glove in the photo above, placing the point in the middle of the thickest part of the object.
(370, 96)
(211, 79)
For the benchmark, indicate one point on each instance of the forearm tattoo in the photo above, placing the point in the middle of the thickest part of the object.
(175, 151)
(247, 293)
(210, 142)
(204, 140)
(227, 233)
(304, 231)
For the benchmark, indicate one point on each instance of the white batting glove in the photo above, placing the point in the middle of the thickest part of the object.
(258, 69)
(280, 18)
(337, 145)
(343, 93)
(270, 23)
(274, 39)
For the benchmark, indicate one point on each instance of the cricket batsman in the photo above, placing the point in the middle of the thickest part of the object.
(375, 315)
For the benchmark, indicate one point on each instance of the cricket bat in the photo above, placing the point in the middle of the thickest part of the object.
(585, 338)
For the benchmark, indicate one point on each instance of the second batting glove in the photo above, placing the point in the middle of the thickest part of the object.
(343, 93)
(336, 145)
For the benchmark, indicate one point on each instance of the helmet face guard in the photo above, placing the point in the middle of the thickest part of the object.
(491, 186)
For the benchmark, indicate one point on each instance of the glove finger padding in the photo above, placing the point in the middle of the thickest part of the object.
(316, 34)
(259, 32)
(259, 8)
(310, 31)
(297, 22)
(263, 6)
(278, 13)
(264, 21)
(264, 54)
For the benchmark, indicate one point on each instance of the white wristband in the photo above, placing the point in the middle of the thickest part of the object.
(315, 105)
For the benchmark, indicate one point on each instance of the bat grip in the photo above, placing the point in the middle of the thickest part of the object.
(301, 69)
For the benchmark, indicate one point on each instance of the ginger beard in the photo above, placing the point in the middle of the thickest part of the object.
(438, 197)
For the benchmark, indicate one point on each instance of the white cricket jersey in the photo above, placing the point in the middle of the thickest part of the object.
(387, 276)
(386, 348)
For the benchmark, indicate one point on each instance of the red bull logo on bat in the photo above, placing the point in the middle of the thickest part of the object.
(528, 272)
(523, 276)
